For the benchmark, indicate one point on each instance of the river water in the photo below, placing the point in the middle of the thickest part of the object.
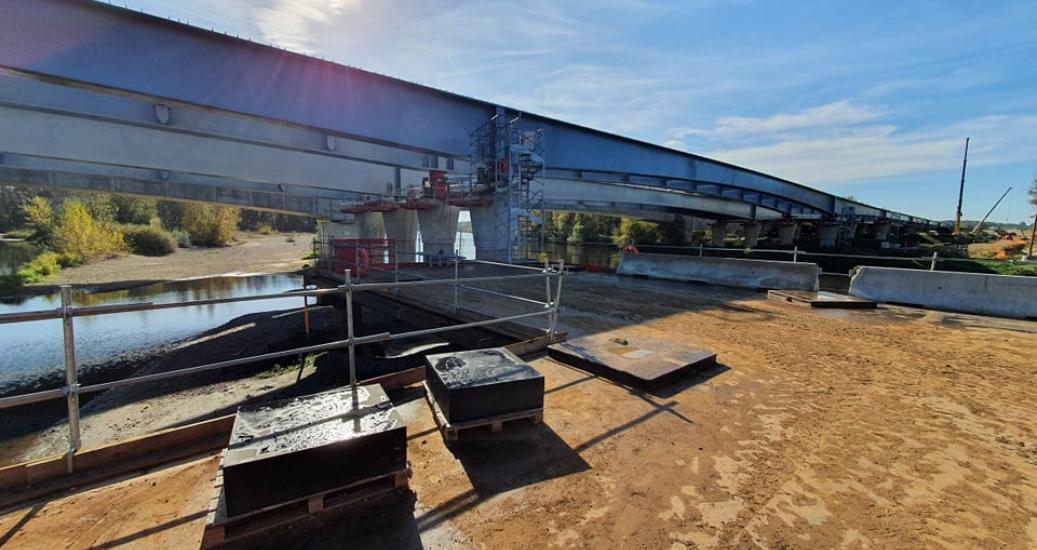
(13, 254)
(31, 350)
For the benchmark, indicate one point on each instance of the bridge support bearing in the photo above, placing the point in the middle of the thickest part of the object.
(828, 234)
(719, 231)
(787, 233)
(438, 228)
(489, 245)
(751, 232)
(401, 227)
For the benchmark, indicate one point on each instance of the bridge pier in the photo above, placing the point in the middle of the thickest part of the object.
(718, 232)
(369, 225)
(881, 229)
(488, 244)
(828, 234)
(401, 226)
(787, 233)
(438, 227)
(751, 232)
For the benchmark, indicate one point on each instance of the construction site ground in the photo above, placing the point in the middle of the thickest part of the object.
(884, 428)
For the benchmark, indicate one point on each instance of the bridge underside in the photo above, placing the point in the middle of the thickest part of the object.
(113, 106)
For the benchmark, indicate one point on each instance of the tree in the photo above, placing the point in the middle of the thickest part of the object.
(40, 216)
(640, 232)
(82, 237)
(136, 210)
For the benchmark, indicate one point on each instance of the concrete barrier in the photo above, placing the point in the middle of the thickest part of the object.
(762, 274)
(998, 295)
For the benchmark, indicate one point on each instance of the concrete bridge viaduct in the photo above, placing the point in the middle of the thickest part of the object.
(101, 98)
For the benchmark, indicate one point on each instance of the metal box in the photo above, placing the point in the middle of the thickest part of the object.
(479, 384)
(291, 449)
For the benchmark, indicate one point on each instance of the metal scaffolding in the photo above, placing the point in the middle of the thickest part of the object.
(508, 158)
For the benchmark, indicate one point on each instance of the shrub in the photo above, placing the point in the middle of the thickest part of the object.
(135, 210)
(42, 267)
(149, 240)
(84, 238)
(210, 225)
(183, 238)
(264, 229)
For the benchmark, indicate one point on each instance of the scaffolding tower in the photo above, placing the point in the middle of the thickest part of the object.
(508, 159)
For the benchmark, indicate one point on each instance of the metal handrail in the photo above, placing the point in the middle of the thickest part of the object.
(67, 312)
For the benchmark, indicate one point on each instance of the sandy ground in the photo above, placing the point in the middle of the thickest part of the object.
(253, 253)
(896, 428)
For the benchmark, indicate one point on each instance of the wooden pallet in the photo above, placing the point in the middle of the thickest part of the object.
(450, 431)
(220, 529)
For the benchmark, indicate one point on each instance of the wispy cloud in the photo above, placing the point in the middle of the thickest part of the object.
(288, 23)
(880, 151)
(832, 115)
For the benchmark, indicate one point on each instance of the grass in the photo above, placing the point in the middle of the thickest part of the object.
(37, 270)
(278, 369)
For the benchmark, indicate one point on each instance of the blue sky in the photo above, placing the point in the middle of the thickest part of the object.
(870, 99)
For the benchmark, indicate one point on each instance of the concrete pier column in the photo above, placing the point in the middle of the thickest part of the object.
(438, 228)
(848, 231)
(401, 227)
(751, 232)
(488, 244)
(719, 231)
(828, 234)
(787, 233)
(881, 229)
(369, 225)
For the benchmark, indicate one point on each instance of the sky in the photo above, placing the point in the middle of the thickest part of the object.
(866, 99)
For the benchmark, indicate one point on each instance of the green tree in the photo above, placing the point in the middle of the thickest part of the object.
(39, 214)
(640, 232)
(100, 205)
(135, 210)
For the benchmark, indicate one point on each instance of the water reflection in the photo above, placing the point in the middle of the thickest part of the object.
(29, 350)
(593, 255)
(13, 254)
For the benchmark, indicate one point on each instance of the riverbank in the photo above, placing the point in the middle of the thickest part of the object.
(252, 253)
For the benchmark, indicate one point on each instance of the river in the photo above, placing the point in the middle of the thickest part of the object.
(31, 350)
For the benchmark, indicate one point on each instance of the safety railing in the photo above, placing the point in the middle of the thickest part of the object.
(795, 253)
(67, 313)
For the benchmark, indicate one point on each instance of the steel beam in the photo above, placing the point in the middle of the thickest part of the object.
(97, 84)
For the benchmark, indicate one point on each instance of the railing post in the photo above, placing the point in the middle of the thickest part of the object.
(306, 313)
(457, 263)
(932, 264)
(700, 249)
(795, 253)
(547, 280)
(71, 382)
(552, 321)
(349, 334)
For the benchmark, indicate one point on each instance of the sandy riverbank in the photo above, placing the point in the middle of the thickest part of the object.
(252, 253)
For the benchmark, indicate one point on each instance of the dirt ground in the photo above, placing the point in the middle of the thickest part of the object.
(873, 429)
(253, 253)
